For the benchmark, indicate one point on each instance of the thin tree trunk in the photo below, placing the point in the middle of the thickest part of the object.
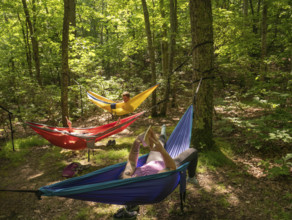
(245, 8)
(35, 44)
(264, 28)
(164, 54)
(254, 26)
(164, 43)
(175, 82)
(203, 62)
(27, 45)
(65, 65)
(151, 54)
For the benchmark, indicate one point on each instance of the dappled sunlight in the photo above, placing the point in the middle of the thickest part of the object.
(105, 209)
(252, 166)
(208, 183)
(35, 176)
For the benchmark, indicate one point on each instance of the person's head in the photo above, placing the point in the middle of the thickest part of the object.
(126, 96)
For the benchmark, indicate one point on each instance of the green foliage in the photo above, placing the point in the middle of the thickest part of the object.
(280, 168)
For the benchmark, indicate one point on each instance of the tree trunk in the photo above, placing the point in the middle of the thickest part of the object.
(72, 15)
(34, 41)
(172, 42)
(245, 8)
(175, 82)
(263, 66)
(164, 52)
(65, 65)
(203, 62)
(151, 54)
(27, 45)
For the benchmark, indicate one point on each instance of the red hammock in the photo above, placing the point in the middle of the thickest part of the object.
(81, 138)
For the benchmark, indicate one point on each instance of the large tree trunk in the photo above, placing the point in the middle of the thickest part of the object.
(203, 62)
(151, 54)
(34, 41)
(65, 65)
(172, 42)
(72, 15)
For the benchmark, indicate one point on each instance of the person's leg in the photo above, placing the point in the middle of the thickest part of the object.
(190, 155)
(154, 155)
(162, 136)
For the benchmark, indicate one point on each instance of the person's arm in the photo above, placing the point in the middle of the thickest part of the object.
(168, 161)
(118, 121)
(69, 123)
(132, 160)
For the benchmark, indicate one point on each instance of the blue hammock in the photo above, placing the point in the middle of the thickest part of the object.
(105, 185)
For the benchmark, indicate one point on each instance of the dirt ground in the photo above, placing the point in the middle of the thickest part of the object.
(239, 192)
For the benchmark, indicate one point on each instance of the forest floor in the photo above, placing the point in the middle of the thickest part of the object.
(238, 190)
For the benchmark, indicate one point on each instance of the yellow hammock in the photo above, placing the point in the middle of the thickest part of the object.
(120, 108)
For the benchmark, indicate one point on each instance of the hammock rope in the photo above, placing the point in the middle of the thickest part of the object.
(194, 97)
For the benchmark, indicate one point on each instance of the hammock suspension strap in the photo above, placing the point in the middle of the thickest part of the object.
(36, 192)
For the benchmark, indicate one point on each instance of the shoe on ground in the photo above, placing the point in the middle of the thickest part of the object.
(124, 214)
(193, 180)
(132, 208)
(109, 143)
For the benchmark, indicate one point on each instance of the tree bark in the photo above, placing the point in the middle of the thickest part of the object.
(72, 15)
(151, 54)
(245, 8)
(65, 65)
(27, 45)
(175, 82)
(203, 62)
(164, 52)
(172, 43)
(34, 41)
(264, 28)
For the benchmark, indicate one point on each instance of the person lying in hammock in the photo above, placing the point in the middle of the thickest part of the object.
(158, 161)
(76, 132)
(126, 98)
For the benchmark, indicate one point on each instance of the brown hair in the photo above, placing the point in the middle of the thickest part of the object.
(126, 94)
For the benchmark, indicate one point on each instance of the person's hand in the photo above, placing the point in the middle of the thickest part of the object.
(155, 145)
(69, 123)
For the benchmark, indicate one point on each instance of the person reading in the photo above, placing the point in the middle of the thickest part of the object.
(158, 161)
